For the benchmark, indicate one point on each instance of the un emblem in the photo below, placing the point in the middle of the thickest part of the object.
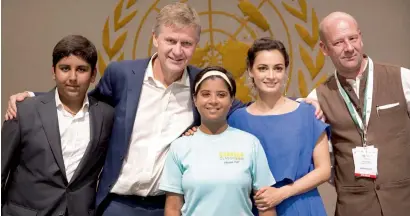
(228, 29)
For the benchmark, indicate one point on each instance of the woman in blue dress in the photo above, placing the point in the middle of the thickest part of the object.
(294, 140)
(215, 171)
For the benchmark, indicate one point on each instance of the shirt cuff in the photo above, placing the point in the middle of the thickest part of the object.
(171, 189)
(31, 94)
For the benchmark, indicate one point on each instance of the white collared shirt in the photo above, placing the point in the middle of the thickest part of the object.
(163, 114)
(74, 134)
(405, 81)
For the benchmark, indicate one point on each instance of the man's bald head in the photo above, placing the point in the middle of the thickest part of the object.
(341, 40)
(334, 19)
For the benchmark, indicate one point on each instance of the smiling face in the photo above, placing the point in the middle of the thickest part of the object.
(269, 71)
(175, 47)
(73, 76)
(213, 99)
(343, 44)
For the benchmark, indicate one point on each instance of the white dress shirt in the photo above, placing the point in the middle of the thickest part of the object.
(405, 81)
(74, 134)
(163, 114)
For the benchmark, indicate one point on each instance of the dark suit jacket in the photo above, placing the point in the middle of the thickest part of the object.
(121, 87)
(33, 175)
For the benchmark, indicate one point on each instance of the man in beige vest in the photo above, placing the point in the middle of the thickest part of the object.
(367, 105)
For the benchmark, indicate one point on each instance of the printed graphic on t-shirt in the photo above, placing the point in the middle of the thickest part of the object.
(231, 157)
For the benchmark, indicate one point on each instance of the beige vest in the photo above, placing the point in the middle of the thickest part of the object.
(388, 130)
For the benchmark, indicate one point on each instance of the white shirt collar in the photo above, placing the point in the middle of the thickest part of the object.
(60, 106)
(149, 73)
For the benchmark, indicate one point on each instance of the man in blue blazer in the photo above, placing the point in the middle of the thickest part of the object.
(153, 106)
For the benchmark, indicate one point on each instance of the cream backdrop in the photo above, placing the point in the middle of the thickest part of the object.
(122, 30)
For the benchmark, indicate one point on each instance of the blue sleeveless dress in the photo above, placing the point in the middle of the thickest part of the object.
(288, 141)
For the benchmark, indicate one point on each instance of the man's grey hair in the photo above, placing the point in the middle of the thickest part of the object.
(177, 15)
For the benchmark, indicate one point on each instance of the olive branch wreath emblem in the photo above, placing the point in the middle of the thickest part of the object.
(312, 62)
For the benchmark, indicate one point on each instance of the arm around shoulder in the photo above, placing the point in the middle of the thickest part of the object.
(12, 108)
(105, 87)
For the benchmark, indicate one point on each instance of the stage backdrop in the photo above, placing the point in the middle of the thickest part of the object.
(122, 30)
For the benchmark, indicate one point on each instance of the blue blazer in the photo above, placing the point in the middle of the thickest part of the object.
(120, 86)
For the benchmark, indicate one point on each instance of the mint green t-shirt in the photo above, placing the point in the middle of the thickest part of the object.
(216, 173)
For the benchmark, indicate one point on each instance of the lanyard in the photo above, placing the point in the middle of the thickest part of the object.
(367, 107)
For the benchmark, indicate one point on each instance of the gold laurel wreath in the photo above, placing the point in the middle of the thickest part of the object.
(253, 15)
(119, 23)
(311, 40)
(234, 52)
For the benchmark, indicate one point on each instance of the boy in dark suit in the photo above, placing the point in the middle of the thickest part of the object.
(53, 152)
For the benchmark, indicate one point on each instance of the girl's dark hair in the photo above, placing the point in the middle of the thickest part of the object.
(267, 44)
(232, 90)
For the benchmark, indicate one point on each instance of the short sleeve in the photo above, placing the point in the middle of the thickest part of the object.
(171, 179)
(318, 128)
(261, 174)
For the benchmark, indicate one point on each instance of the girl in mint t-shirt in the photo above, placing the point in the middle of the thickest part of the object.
(216, 170)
